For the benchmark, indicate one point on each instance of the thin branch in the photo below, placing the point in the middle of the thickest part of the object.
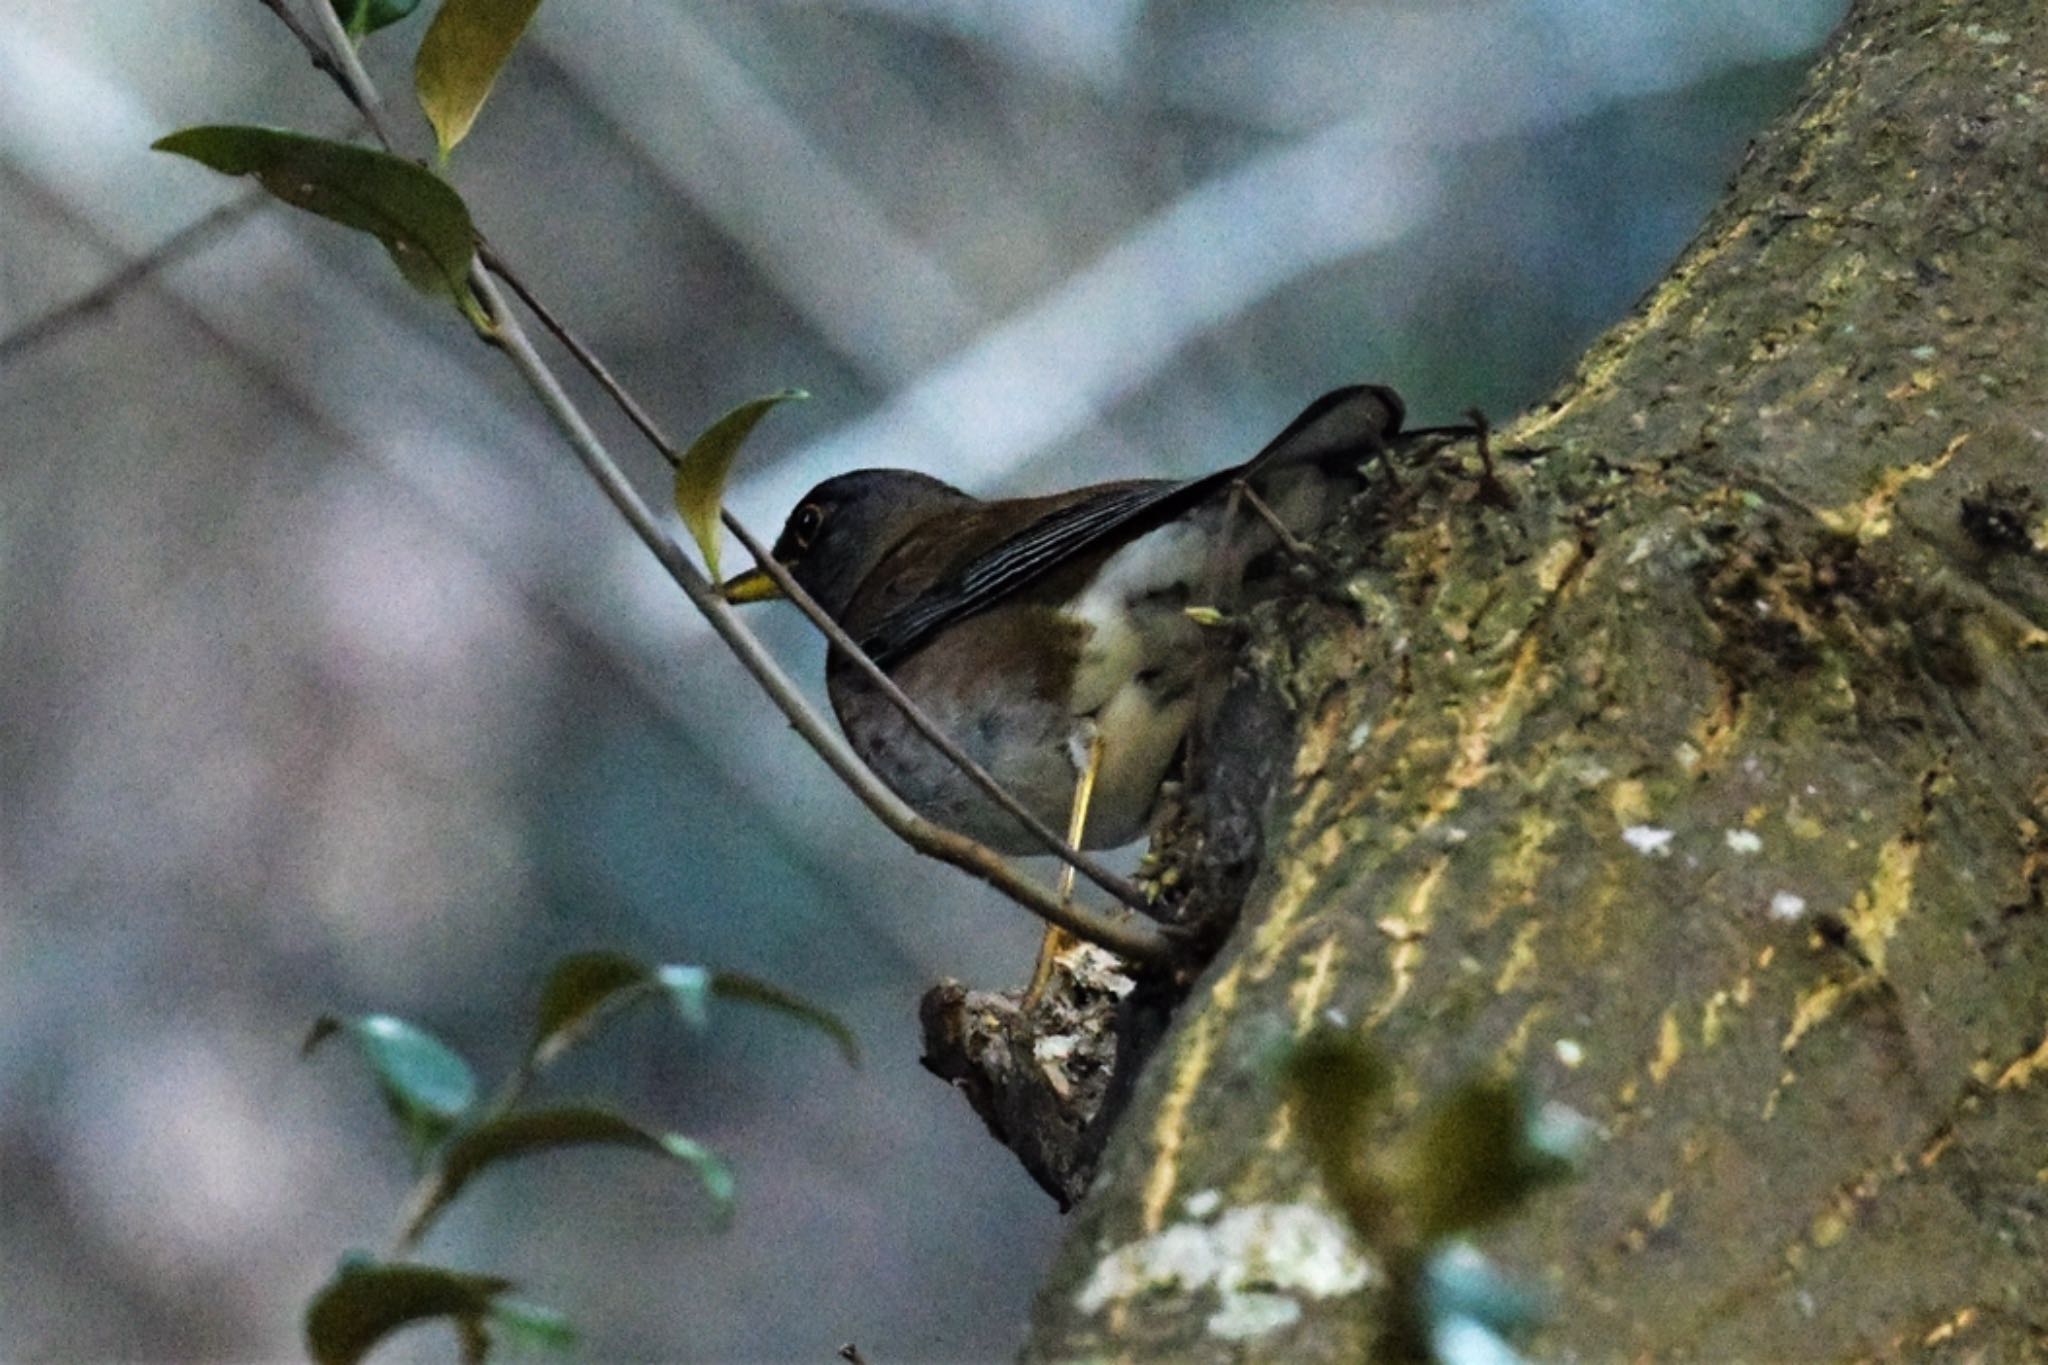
(1134, 939)
(427, 1199)
(1138, 941)
(322, 59)
(1089, 867)
(1293, 544)
(337, 57)
(186, 241)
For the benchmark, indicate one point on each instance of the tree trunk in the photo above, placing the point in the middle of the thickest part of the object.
(1705, 785)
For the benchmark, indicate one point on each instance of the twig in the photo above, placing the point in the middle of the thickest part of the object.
(1130, 939)
(427, 1198)
(1289, 541)
(352, 75)
(416, 1215)
(1090, 867)
(322, 59)
(174, 248)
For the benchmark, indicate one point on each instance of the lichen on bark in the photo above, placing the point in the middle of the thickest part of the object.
(1706, 785)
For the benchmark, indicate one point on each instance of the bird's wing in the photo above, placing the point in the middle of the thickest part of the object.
(1346, 423)
(1052, 540)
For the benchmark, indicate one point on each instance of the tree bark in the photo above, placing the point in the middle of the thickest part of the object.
(1705, 786)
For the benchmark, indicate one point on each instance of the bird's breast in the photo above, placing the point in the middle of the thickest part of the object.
(1022, 689)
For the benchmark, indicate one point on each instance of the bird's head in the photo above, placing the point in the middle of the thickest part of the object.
(841, 529)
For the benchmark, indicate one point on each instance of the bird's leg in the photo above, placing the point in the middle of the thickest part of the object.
(1087, 756)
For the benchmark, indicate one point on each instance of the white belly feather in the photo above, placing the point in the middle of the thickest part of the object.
(1135, 613)
(1135, 687)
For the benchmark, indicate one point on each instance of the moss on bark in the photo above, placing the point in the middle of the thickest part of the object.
(1706, 785)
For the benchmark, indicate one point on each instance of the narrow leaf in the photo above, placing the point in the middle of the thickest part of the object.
(689, 990)
(710, 1167)
(580, 989)
(466, 46)
(692, 988)
(539, 1130)
(748, 990)
(419, 218)
(363, 1304)
(532, 1326)
(426, 1085)
(584, 987)
(361, 17)
(701, 476)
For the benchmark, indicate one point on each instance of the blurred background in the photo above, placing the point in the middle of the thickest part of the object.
(328, 683)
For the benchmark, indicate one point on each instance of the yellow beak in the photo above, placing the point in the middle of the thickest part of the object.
(752, 586)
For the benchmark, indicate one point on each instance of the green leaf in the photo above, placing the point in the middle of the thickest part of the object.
(426, 1085)
(532, 1326)
(701, 475)
(1476, 1158)
(710, 1168)
(584, 987)
(580, 990)
(466, 46)
(689, 988)
(749, 991)
(418, 217)
(528, 1132)
(363, 1304)
(362, 17)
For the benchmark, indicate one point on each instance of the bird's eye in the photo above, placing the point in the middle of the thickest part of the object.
(803, 527)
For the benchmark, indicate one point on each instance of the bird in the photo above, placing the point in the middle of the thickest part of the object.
(1051, 637)
(1030, 628)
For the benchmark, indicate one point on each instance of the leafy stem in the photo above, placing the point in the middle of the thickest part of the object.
(1133, 939)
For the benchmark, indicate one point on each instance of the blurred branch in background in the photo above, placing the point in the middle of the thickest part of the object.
(1050, 371)
(1053, 371)
(186, 241)
(729, 149)
(1078, 40)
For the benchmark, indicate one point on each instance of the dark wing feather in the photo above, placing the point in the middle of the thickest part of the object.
(1033, 552)
(1340, 425)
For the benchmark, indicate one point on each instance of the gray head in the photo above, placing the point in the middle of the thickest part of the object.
(841, 529)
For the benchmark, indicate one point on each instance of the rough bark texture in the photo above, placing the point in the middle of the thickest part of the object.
(1037, 1076)
(1706, 785)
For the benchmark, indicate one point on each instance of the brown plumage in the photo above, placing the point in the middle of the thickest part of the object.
(1026, 626)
